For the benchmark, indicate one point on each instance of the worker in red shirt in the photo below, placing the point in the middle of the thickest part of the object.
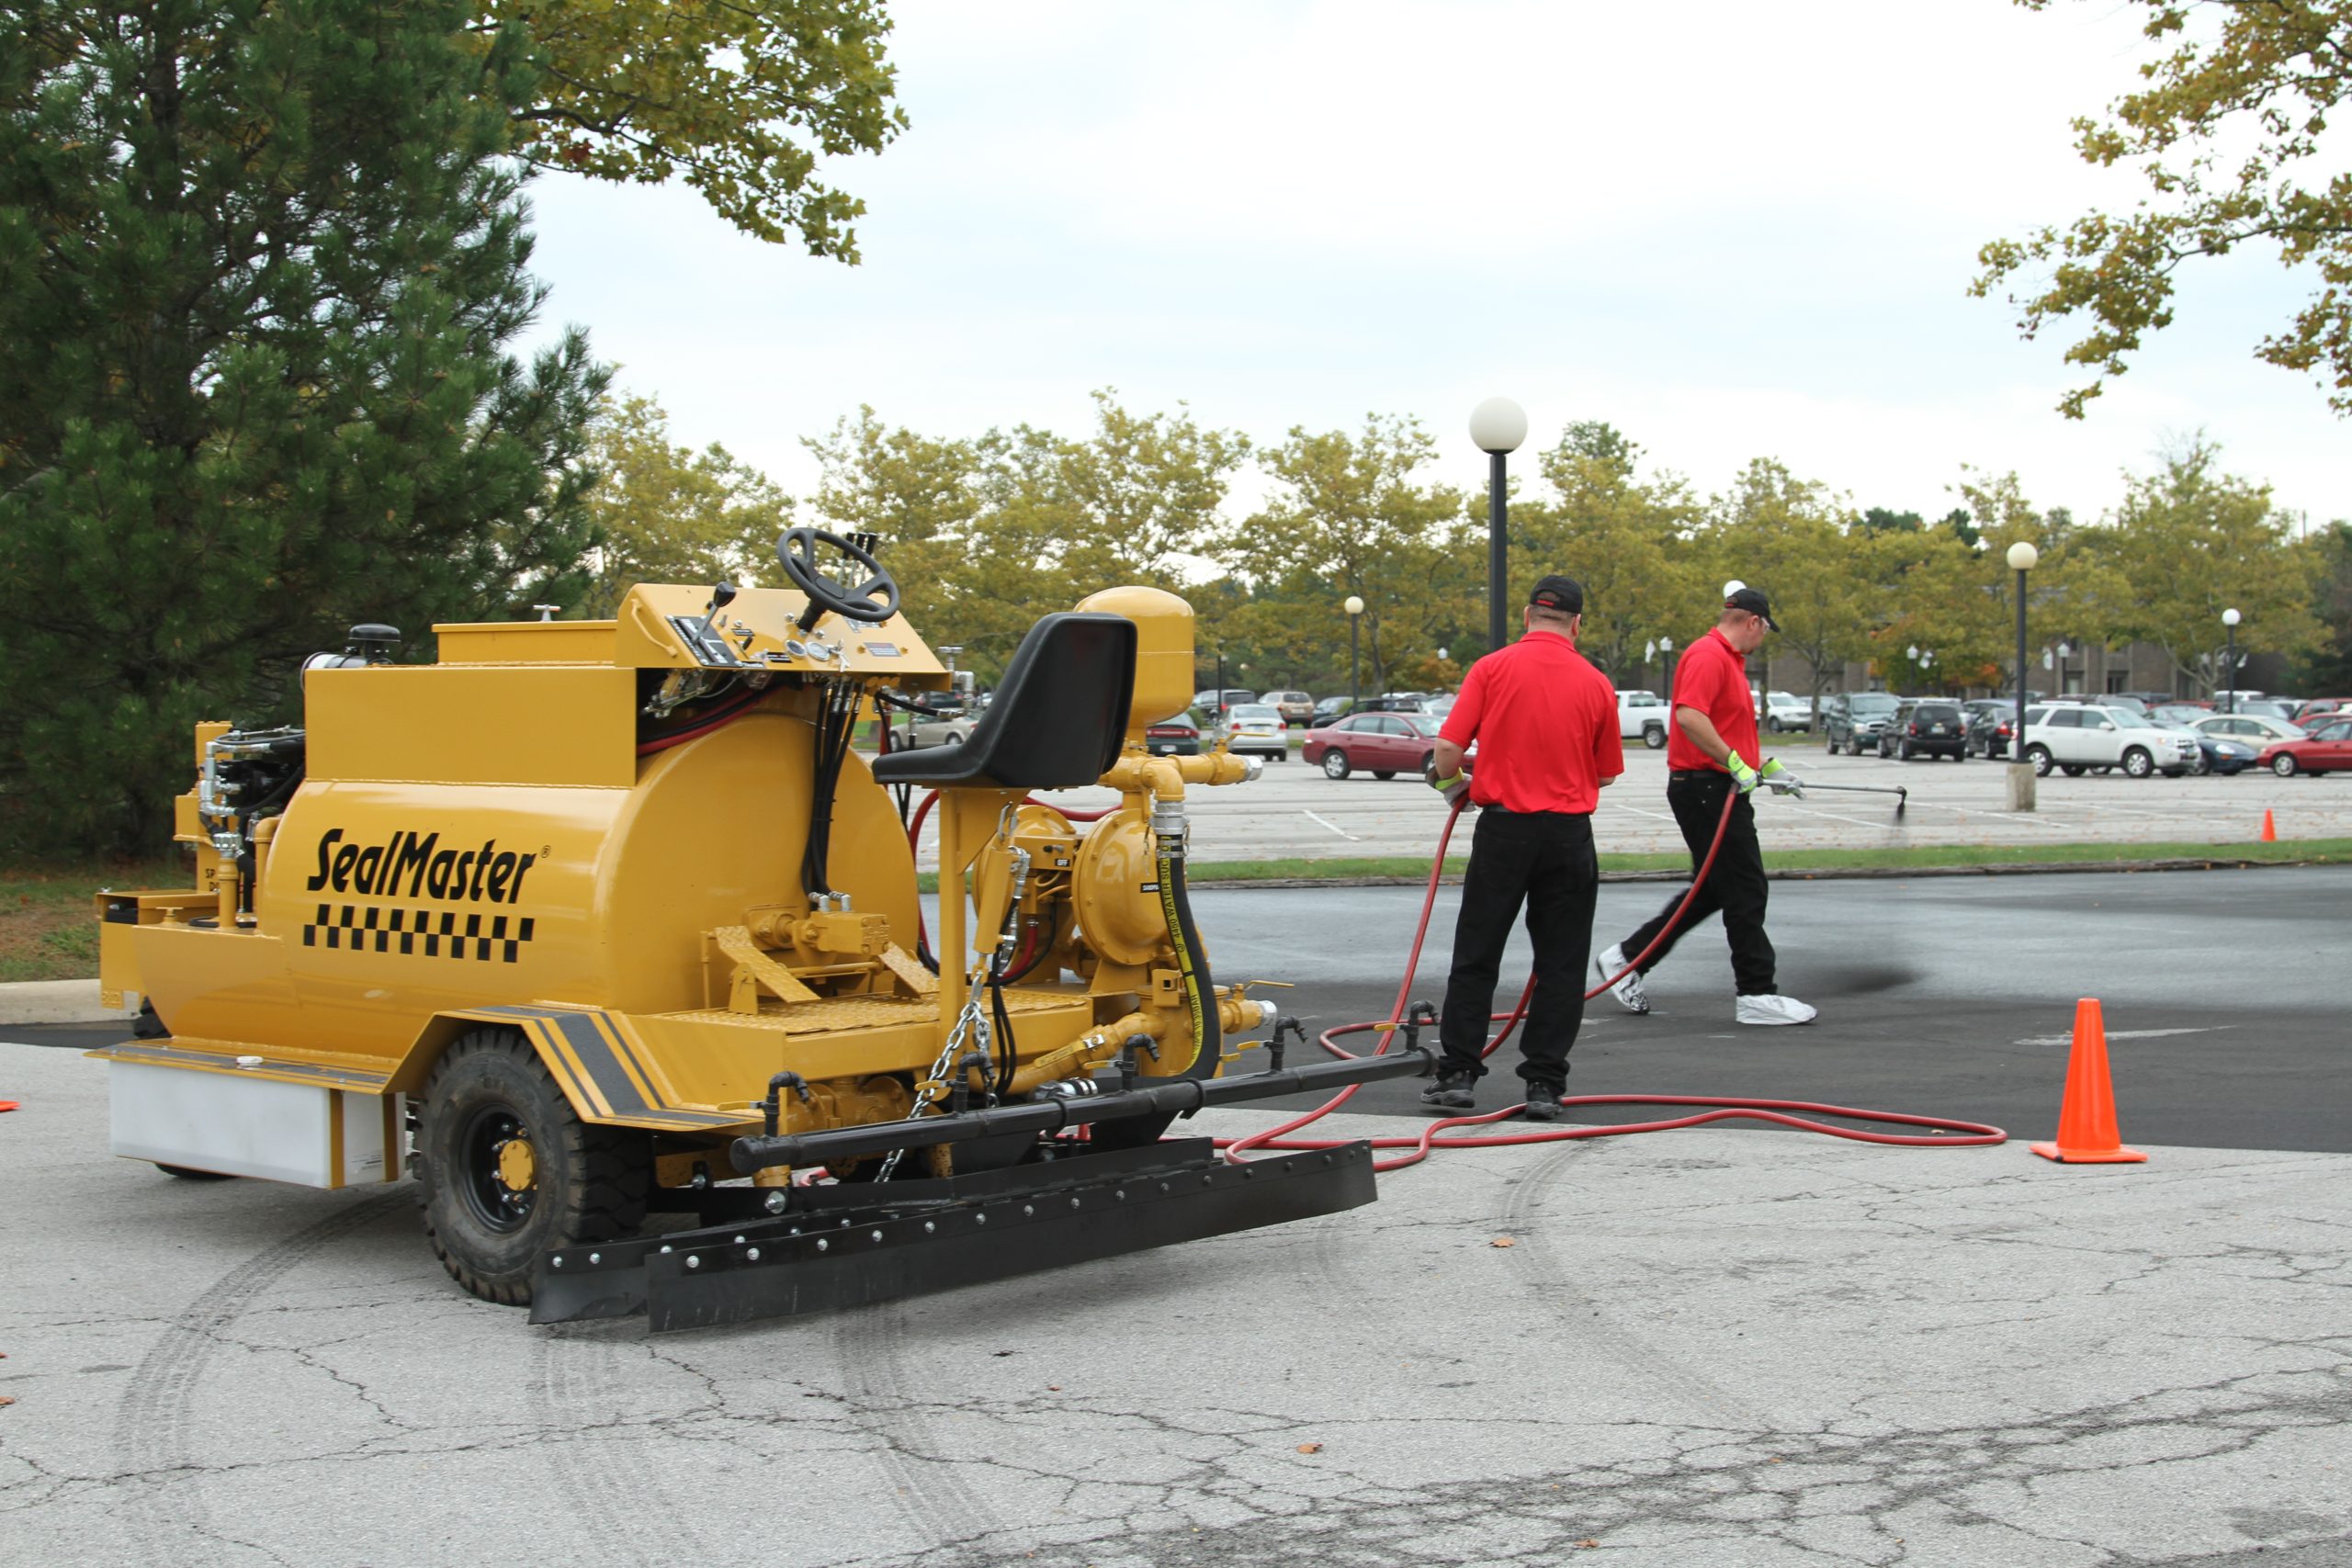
(1711, 755)
(1545, 722)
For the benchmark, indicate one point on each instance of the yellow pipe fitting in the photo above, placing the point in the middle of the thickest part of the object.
(1089, 1050)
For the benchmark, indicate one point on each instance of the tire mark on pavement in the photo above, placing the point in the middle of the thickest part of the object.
(868, 1343)
(154, 1440)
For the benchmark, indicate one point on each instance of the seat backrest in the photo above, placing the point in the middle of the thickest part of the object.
(1058, 721)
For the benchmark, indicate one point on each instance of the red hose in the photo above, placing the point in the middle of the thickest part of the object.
(1964, 1135)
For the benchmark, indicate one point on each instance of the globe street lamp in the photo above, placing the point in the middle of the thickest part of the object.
(1497, 425)
(2022, 559)
(2065, 650)
(1666, 646)
(2230, 619)
(1354, 607)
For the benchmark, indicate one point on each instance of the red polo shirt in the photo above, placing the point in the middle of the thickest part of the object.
(1713, 678)
(1545, 723)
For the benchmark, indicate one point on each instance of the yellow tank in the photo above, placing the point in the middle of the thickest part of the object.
(554, 919)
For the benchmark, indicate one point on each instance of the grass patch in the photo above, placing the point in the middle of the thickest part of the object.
(48, 929)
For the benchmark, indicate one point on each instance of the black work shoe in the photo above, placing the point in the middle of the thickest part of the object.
(1544, 1103)
(1451, 1091)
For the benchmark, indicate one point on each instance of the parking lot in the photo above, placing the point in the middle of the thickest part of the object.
(1294, 812)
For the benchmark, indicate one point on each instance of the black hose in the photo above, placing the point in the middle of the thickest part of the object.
(1191, 967)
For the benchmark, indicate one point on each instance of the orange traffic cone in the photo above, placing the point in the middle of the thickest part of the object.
(2086, 1130)
(2269, 829)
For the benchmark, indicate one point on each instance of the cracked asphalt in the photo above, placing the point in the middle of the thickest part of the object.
(1714, 1348)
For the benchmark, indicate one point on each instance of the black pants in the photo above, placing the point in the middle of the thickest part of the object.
(1736, 886)
(1545, 860)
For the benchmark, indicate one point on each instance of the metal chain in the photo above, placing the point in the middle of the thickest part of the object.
(971, 1024)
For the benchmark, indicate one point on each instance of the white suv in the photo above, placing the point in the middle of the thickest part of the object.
(2076, 738)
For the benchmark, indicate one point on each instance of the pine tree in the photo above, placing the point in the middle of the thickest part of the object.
(260, 263)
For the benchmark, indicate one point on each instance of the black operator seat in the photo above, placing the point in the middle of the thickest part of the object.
(1058, 719)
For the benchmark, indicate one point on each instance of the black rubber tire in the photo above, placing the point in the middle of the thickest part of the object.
(1335, 764)
(1654, 737)
(591, 1182)
(2138, 764)
(1384, 774)
(1771, 726)
(185, 1174)
(2284, 765)
(2039, 757)
(2073, 769)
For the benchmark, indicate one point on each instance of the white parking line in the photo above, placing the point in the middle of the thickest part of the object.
(1653, 815)
(1333, 825)
(1808, 811)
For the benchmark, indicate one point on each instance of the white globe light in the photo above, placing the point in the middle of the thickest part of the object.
(2230, 618)
(1914, 650)
(1354, 606)
(1498, 425)
(2023, 556)
(1666, 645)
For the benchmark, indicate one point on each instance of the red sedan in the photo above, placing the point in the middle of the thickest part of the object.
(1381, 744)
(2327, 750)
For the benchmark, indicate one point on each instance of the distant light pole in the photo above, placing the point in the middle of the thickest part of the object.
(1497, 425)
(2230, 619)
(2022, 559)
(2065, 650)
(1354, 607)
(1666, 646)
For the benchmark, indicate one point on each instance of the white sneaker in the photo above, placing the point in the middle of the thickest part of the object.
(1628, 991)
(1772, 1008)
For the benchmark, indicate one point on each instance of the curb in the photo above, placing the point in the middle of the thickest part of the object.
(54, 1001)
(1827, 873)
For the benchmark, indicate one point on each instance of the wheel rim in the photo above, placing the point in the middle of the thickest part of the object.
(1335, 764)
(500, 1169)
(2283, 766)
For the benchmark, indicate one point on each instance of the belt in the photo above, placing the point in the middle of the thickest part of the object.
(1698, 774)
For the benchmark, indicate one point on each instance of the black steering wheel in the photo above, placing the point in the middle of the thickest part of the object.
(796, 549)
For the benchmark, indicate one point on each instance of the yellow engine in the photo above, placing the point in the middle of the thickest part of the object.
(565, 922)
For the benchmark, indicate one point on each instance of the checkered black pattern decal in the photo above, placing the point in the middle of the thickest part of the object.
(435, 934)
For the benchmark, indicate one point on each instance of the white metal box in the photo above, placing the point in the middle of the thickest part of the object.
(241, 1124)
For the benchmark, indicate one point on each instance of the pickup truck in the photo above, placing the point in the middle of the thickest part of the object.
(1643, 715)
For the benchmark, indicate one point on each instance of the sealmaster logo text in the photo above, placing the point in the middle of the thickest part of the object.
(414, 864)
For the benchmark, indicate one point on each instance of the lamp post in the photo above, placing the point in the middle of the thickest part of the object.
(1354, 607)
(2065, 650)
(2230, 663)
(1497, 425)
(1666, 646)
(2023, 558)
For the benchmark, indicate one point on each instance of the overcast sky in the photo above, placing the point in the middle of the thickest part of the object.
(1731, 229)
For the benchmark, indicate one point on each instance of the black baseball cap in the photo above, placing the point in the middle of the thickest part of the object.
(1754, 602)
(1563, 595)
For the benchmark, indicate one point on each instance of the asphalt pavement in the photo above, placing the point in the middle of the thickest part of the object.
(2223, 995)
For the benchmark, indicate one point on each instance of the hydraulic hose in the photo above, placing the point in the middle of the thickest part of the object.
(1944, 1133)
(1192, 965)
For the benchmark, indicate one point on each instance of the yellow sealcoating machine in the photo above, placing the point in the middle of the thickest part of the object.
(590, 920)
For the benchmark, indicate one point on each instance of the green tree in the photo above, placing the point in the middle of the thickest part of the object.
(1786, 537)
(2326, 666)
(1628, 541)
(741, 98)
(2229, 130)
(2189, 542)
(258, 263)
(666, 514)
(1349, 517)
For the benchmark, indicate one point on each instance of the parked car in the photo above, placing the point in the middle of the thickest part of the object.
(2220, 754)
(1256, 728)
(1929, 727)
(1437, 707)
(1177, 737)
(1643, 715)
(2327, 750)
(2313, 707)
(1381, 744)
(1850, 721)
(1990, 722)
(2181, 712)
(2256, 729)
(2076, 738)
(947, 718)
(1785, 711)
(1212, 702)
(1297, 707)
(1329, 709)
(1392, 702)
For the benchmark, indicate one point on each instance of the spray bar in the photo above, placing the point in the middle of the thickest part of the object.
(1903, 795)
(1052, 1114)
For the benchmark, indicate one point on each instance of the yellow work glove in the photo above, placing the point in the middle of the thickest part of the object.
(1781, 779)
(1746, 777)
(1455, 788)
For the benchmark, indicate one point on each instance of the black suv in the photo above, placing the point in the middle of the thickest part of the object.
(1927, 728)
(1990, 720)
(1850, 721)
